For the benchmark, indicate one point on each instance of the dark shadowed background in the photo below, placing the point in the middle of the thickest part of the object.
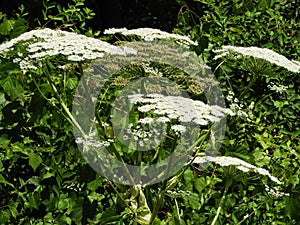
(160, 14)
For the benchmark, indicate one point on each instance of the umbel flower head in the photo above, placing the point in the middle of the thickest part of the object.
(150, 34)
(47, 42)
(186, 110)
(160, 113)
(260, 53)
(75, 47)
(238, 163)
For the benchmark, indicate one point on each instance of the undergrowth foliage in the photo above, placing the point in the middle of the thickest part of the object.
(254, 179)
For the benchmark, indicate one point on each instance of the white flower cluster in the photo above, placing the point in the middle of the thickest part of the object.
(92, 143)
(141, 136)
(138, 132)
(261, 53)
(149, 131)
(178, 193)
(235, 105)
(47, 42)
(150, 34)
(151, 70)
(275, 192)
(238, 163)
(146, 120)
(186, 110)
(277, 88)
(72, 187)
(178, 129)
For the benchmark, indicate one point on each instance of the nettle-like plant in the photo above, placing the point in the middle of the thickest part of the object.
(40, 72)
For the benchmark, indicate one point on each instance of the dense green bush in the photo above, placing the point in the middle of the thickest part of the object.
(13, 27)
(267, 24)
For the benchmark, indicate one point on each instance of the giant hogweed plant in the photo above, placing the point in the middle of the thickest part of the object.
(45, 66)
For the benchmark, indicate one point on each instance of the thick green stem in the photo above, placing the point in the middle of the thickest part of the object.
(199, 142)
(175, 179)
(120, 196)
(248, 215)
(119, 157)
(72, 120)
(220, 207)
(39, 90)
(177, 217)
(64, 106)
(161, 196)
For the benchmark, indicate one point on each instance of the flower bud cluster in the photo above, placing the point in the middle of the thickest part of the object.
(72, 187)
(235, 105)
(178, 193)
(277, 88)
(275, 192)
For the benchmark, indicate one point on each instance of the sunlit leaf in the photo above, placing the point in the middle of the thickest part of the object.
(34, 160)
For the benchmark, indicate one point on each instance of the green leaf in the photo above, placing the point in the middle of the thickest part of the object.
(55, 17)
(94, 184)
(280, 39)
(241, 156)
(144, 212)
(293, 204)
(34, 160)
(264, 4)
(193, 201)
(6, 68)
(63, 202)
(3, 181)
(95, 196)
(200, 184)
(48, 218)
(109, 216)
(6, 26)
(3, 101)
(262, 140)
(2, 15)
(12, 87)
(188, 176)
(20, 27)
(71, 83)
(76, 214)
(13, 208)
(4, 141)
(32, 201)
(4, 216)
(47, 175)
(64, 220)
